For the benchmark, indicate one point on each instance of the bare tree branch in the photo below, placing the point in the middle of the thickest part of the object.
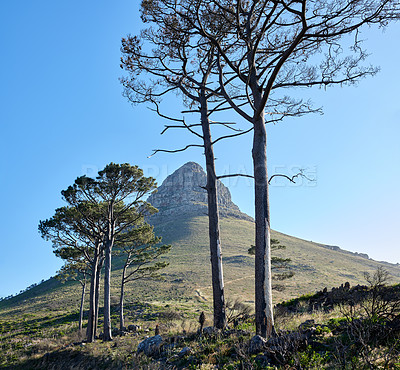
(176, 150)
(292, 178)
(235, 175)
(231, 136)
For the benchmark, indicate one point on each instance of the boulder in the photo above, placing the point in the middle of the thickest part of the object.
(209, 330)
(185, 351)
(151, 346)
(257, 344)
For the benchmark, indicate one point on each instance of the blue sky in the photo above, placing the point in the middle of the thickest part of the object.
(62, 115)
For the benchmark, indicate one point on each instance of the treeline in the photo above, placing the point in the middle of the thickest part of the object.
(105, 217)
(21, 291)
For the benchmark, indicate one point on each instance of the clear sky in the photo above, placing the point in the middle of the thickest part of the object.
(62, 115)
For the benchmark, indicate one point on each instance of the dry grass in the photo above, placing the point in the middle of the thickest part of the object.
(292, 321)
(44, 319)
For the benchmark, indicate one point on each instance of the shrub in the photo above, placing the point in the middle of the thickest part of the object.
(237, 312)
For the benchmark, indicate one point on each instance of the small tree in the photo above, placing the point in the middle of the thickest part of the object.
(279, 265)
(121, 188)
(77, 235)
(76, 270)
(140, 248)
(100, 211)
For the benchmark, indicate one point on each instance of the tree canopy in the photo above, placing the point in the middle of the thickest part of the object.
(102, 212)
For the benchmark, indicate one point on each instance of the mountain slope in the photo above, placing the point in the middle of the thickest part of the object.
(316, 266)
(182, 223)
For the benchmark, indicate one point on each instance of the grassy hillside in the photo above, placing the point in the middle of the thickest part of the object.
(187, 278)
(45, 317)
(315, 265)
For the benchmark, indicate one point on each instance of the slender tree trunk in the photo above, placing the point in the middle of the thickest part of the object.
(213, 221)
(107, 336)
(121, 301)
(263, 281)
(91, 315)
(90, 331)
(82, 302)
(97, 296)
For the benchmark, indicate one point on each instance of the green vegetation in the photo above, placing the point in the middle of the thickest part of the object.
(242, 55)
(186, 280)
(44, 319)
(342, 338)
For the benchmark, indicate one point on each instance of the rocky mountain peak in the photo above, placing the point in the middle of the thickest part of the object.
(183, 192)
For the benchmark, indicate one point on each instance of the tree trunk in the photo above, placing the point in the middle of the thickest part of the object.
(107, 336)
(263, 286)
(97, 296)
(90, 331)
(121, 301)
(213, 221)
(82, 303)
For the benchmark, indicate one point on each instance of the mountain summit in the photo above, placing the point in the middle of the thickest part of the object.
(183, 193)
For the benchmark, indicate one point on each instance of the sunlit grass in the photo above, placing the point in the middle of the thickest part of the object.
(45, 318)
